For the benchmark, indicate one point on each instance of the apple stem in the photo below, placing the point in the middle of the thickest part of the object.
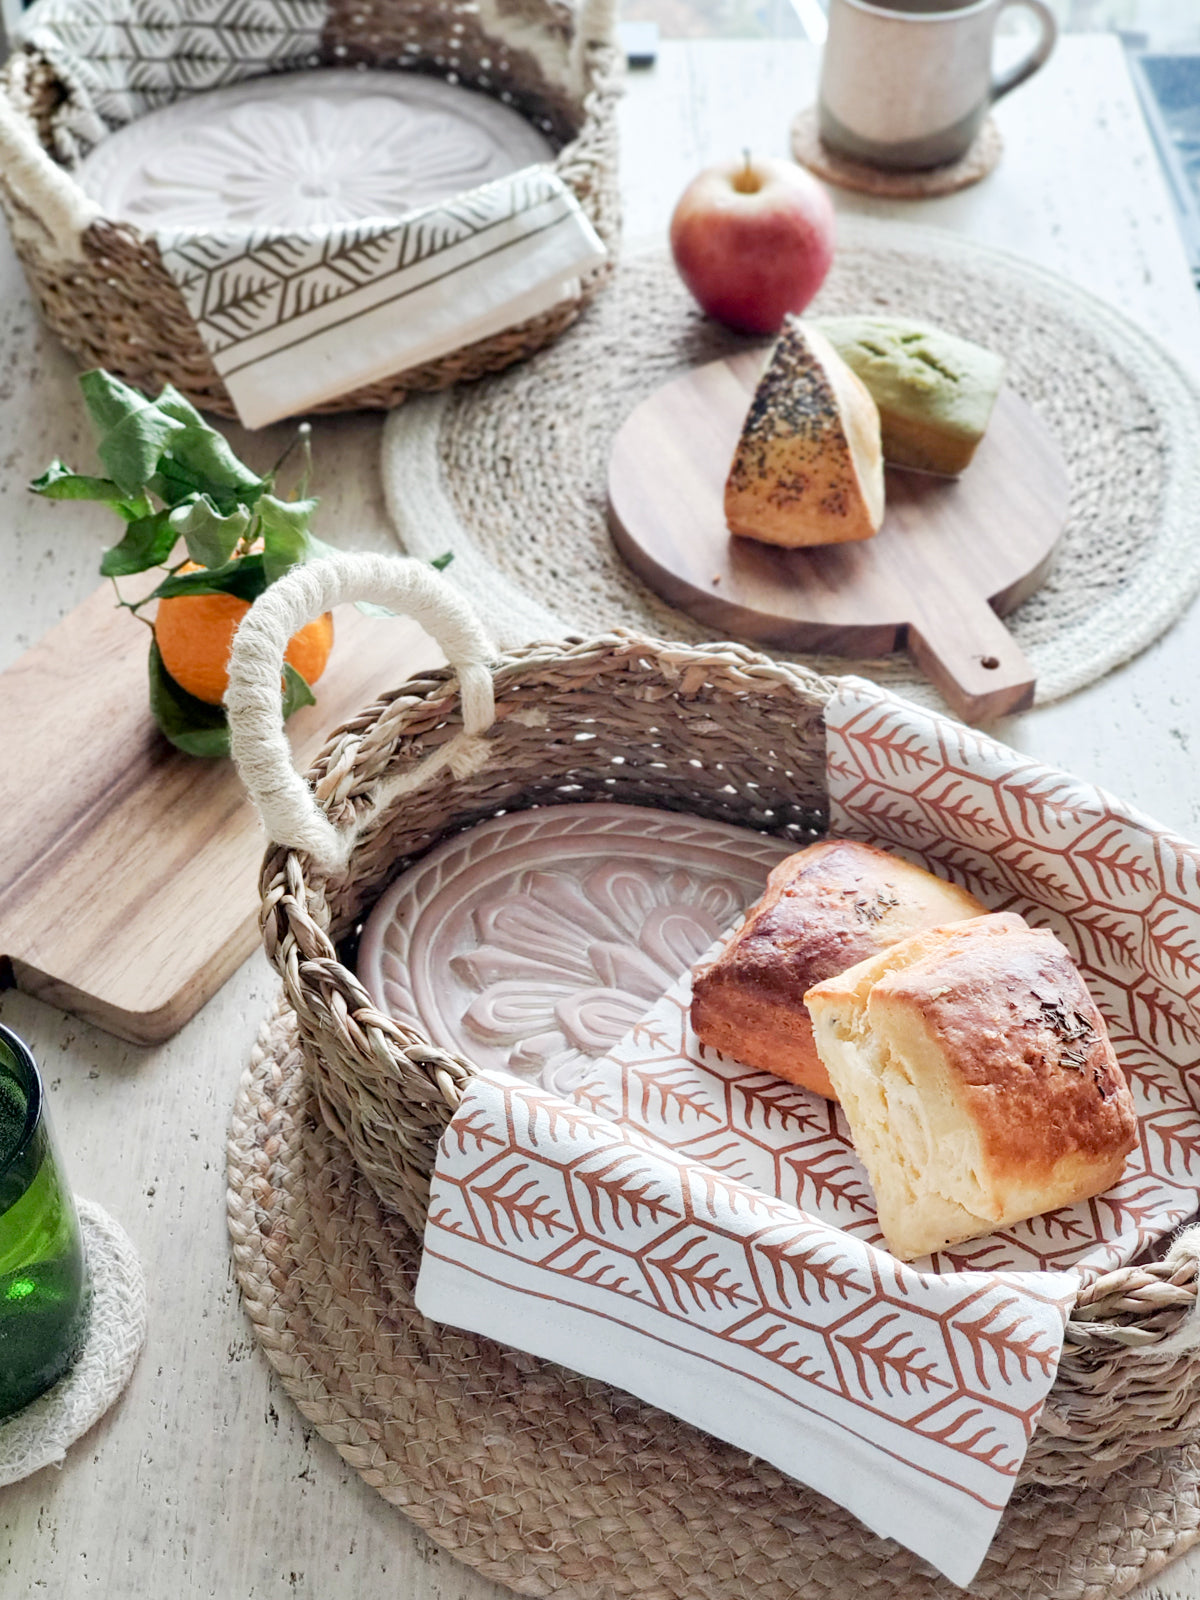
(746, 159)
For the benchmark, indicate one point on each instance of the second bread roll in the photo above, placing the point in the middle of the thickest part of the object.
(978, 1080)
(824, 909)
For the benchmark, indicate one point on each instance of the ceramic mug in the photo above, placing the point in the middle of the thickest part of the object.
(907, 83)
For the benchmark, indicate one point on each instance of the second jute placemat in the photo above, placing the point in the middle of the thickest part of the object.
(510, 473)
(552, 1483)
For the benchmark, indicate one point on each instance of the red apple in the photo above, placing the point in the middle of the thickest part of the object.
(753, 240)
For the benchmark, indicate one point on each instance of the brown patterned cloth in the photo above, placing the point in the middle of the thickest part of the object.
(707, 1235)
(653, 1250)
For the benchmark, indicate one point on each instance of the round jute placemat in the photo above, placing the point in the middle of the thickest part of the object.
(807, 147)
(510, 473)
(40, 1434)
(549, 1482)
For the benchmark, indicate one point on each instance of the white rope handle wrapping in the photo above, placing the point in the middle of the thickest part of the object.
(257, 740)
(46, 194)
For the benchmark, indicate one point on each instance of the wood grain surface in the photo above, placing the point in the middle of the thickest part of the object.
(952, 556)
(128, 885)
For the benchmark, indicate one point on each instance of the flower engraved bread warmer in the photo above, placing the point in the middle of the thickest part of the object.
(712, 731)
(487, 90)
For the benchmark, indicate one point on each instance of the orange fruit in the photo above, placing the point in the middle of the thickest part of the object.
(195, 633)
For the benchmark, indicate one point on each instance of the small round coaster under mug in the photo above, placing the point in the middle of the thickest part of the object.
(810, 151)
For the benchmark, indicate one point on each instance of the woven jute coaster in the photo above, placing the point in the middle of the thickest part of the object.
(810, 151)
(40, 1434)
(510, 474)
(550, 1483)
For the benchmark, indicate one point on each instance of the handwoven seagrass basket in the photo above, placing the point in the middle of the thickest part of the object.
(713, 730)
(86, 67)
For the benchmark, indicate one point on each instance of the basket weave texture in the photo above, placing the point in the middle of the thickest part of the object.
(716, 731)
(102, 285)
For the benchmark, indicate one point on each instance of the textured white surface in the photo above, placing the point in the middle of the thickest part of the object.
(307, 149)
(40, 1434)
(205, 1481)
(534, 942)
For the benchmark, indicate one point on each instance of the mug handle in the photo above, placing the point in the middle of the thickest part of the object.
(1028, 65)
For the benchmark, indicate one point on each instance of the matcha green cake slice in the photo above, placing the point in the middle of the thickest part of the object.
(935, 391)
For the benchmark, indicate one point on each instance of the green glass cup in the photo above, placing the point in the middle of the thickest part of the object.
(43, 1273)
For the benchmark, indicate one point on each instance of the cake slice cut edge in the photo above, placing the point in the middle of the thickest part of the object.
(808, 468)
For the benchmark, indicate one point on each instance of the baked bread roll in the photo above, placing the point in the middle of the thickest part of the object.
(824, 909)
(808, 467)
(978, 1080)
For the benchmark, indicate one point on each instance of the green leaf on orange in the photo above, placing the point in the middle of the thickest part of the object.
(58, 482)
(191, 725)
(201, 461)
(286, 533)
(134, 433)
(210, 536)
(297, 691)
(147, 543)
(244, 578)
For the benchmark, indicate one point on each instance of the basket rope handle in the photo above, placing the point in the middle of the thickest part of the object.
(285, 802)
(44, 192)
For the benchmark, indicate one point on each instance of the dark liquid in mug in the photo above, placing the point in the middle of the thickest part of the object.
(43, 1280)
(919, 8)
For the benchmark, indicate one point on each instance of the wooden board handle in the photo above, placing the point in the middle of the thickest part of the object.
(973, 659)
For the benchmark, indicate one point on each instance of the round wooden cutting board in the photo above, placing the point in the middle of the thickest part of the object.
(952, 557)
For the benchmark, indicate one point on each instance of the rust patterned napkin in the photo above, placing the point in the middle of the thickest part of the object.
(908, 1397)
(705, 1237)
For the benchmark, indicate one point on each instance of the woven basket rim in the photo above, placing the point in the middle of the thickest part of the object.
(105, 290)
(604, 60)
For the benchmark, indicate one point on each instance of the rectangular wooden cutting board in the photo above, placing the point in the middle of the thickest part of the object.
(129, 873)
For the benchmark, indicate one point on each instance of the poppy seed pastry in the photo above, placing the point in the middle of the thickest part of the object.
(978, 1080)
(934, 391)
(808, 467)
(824, 909)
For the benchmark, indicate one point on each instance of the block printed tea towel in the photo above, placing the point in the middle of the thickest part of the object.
(705, 1237)
(295, 318)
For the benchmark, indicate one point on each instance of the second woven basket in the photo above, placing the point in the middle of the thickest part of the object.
(714, 730)
(89, 65)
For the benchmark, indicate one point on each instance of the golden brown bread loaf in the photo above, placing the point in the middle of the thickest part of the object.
(978, 1080)
(808, 468)
(824, 909)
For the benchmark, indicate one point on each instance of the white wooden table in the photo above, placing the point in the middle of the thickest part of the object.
(204, 1480)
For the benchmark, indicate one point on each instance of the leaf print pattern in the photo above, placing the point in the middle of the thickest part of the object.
(797, 1267)
(998, 1333)
(889, 1355)
(618, 1190)
(728, 1211)
(1123, 894)
(117, 63)
(696, 1277)
(242, 284)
